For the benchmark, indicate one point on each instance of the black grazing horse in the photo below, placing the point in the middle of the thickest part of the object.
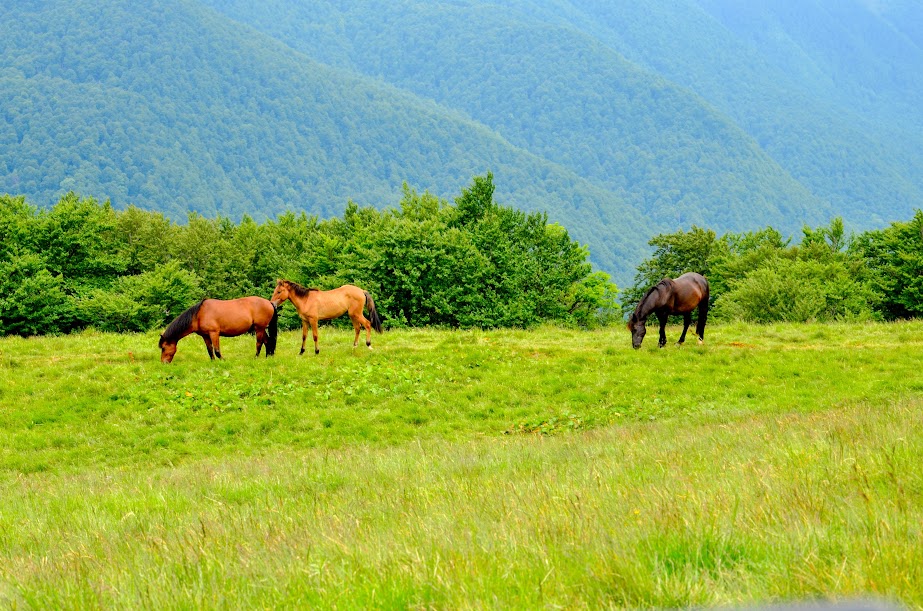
(679, 296)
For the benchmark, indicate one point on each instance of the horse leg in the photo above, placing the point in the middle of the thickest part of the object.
(216, 341)
(304, 335)
(356, 327)
(314, 331)
(368, 332)
(208, 344)
(687, 320)
(260, 340)
(663, 317)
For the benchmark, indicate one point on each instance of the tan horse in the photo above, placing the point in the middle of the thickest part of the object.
(212, 318)
(314, 305)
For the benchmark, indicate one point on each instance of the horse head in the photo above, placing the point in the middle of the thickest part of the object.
(167, 350)
(638, 327)
(281, 293)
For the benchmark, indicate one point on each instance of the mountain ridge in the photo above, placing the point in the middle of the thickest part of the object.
(221, 107)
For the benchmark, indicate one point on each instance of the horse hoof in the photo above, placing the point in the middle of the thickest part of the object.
(302, 352)
(316, 351)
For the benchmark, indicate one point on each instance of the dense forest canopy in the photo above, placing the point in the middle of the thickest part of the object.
(621, 120)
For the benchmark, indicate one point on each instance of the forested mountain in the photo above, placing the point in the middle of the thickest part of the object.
(620, 119)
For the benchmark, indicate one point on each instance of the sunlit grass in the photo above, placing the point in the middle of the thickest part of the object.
(464, 469)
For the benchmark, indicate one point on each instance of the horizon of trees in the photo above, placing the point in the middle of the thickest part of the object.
(761, 276)
(471, 263)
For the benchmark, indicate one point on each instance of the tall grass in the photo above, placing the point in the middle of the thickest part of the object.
(464, 469)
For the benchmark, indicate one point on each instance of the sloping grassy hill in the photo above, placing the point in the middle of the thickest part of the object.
(464, 469)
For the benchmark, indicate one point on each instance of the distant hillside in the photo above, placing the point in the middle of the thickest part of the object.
(621, 119)
(552, 89)
(825, 92)
(179, 109)
(831, 90)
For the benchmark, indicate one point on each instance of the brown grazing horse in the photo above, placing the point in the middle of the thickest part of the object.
(212, 318)
(679, 296)
(314, 305)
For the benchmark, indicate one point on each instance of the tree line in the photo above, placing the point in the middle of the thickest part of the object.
(471, 263)
(761, 276)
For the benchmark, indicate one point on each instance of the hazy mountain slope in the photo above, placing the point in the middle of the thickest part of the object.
(849, 51)
(801, 107)
(832, 102)
(177, 108)
(621, 119)
(550, 88)
(905, 16)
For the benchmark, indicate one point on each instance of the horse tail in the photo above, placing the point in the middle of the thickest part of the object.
(272, 332)
(703, 312)
(374, 318)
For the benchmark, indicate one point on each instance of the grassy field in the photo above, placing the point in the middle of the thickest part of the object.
(452, 469)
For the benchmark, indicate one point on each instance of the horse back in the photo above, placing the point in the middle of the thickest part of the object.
(688, 291)
(234, 316)
(336, 302)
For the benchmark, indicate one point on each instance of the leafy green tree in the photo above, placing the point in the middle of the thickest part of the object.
(674, 255)
(33, 300)
(79, 241)
(146, 239)
(736, 254)
(475, 201)
(473, 264)
(16, 217)
(142, 302)
(894, 257)
(593, 301)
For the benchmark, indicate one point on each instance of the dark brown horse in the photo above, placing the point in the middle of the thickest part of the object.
(314, 305)
(213, 318)
(679, 296)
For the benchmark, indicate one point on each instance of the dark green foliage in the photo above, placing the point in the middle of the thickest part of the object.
(141, 302)
(78, 240)
(33, 301)
(895, 258)
(798, 289)
(473, 264)
(759, 277)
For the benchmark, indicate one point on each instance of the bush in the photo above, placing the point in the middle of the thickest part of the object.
(143, 302)
(32, 299)
(794, 290)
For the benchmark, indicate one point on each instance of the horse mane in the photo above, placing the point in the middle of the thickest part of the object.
(298, 289)
(637, 315)
(182, 322)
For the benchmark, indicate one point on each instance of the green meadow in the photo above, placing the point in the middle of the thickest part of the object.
(464, 469)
